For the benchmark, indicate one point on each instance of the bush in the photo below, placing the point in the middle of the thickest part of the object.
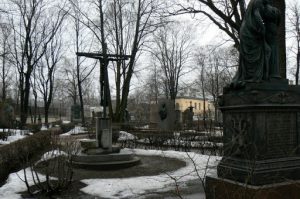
(7, 115)
(3, 136)
(34, 128)
(67, 127)
(14, 156)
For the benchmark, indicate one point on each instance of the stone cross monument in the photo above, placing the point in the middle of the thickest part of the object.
(103, 124)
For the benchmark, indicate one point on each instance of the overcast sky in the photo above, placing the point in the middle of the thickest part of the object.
(206, 33)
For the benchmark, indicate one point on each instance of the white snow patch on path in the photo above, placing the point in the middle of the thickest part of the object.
(14, 184)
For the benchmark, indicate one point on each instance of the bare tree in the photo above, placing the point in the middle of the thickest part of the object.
(294, 20)
(5, 70)
(69, 80)
(217, 69)
(32, 33)
(154, 84)
(122, 29)
(172, 51)
(83, 71)
(227, 15)
(46, 70)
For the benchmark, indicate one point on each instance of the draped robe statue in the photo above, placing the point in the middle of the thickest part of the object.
(258, 44)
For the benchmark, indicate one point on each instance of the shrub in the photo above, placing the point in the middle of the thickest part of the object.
(34, 128)
(3, 136)
(7, 115)
(15, 155)
(67, 127)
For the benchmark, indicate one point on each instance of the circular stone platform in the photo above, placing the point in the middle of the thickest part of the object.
(109, 161)
(97, 158)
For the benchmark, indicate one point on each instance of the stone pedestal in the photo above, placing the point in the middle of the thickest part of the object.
(104, 133)
(217, 188)
(261, 133)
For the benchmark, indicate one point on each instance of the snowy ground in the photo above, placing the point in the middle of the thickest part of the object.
(123, 136)
(14, 135)
(74, 131)
(131, 187)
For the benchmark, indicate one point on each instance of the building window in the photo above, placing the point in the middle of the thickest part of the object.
(199, 106)
(195, 105)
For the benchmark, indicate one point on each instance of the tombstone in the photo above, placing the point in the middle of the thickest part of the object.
(75, 113)
(163, 115)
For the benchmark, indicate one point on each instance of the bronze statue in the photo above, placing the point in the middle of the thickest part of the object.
(258, 44)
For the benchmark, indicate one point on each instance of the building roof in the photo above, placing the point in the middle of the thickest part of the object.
(191, 98)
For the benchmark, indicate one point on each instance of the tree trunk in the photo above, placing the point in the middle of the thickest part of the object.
(35, 108)
(46, 109)
(280, 4)
(24, 105)
(297, 64)
(3, 73)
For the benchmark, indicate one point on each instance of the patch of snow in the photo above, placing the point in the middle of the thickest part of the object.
(14, 184)
(191, 131)
(135, 186)
(205, 144)
(76, 130)
(123, 136)
(214, 133)
(144, 127)
(144, 140)
(14, 135)
(52, 154)
(44, 128)
(66, 122)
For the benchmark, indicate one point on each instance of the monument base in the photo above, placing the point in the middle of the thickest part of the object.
(219, 188)
(260, 172)
(261, 136)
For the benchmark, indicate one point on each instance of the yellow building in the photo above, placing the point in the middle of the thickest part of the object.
(183, 103)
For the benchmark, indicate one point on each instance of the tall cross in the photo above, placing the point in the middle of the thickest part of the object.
(104, 83)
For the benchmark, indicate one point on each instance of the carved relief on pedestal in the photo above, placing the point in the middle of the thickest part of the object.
(237, 135)
(258, 97)
(280, 98)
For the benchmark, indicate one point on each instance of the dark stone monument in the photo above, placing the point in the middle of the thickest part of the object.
(166, 115)
(163, 115)
(75, 113)
(261, 133)
(188, 117)
(261, 116)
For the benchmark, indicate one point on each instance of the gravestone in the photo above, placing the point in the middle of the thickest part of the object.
(188, 117)
(163, 115)
(166, 115)
(75, 113)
